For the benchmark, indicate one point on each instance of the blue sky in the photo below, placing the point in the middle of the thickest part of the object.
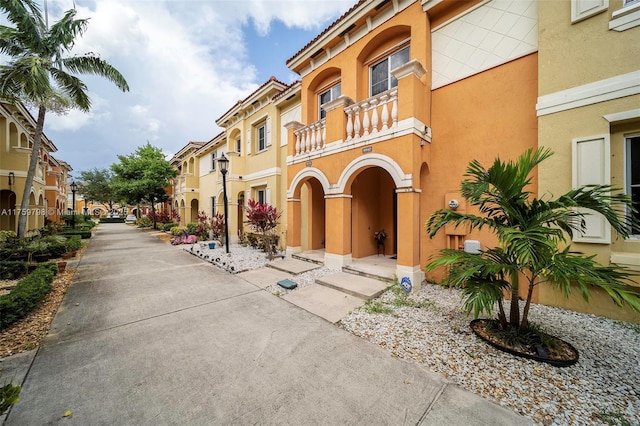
(186, 61)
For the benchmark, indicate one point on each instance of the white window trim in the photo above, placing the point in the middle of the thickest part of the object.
(579, 13)
(625, 18)
(258, 127)
(627, 169)
(399, 47)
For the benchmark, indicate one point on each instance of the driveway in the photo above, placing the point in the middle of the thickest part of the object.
(148, 335)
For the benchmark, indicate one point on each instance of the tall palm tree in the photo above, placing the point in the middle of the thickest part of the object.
(40, 75)
(532, 235)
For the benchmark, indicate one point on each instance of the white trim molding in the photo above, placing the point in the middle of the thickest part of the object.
(583, 9)
(626, 18)
(589, 94)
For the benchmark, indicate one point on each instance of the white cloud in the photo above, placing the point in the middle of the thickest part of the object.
(186, 63)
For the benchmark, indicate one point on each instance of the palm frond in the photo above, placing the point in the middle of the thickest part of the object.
(571, 268)
(88, 64)
(28, 20)
(443, 217)
(62, 34)
(481, 295)
(73, 87)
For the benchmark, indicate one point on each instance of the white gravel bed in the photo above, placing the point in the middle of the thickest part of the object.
(430, 328)
(239, 259)
(603, 388)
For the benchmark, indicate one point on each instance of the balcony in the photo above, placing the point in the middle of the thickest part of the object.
(351, 124)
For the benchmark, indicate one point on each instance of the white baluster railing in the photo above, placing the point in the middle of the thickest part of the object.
(379, 113)
(311, 137)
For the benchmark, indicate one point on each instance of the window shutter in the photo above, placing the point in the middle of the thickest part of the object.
(267, 195)
(591, 166)
(248, 141)
(268, 131)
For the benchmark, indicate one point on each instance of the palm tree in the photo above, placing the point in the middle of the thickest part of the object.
(532, 235)
(39, 74)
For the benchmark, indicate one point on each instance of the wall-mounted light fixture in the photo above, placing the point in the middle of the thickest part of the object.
(12, 178)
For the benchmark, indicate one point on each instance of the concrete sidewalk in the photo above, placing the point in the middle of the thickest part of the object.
(148, 334)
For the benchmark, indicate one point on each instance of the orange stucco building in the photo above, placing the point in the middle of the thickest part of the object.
(397, 98)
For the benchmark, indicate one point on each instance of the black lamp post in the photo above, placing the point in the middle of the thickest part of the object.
(74, 188)
(85, 210)
(224, 167)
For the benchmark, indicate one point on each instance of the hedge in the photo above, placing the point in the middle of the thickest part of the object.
(83, 234)
(27, 294)
(111, 220)
(12, 269)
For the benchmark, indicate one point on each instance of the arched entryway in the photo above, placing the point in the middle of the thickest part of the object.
(373, 209)
(194, 210)
(312, 209)
(7, 208)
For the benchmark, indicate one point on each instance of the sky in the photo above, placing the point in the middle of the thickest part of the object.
(186, 61)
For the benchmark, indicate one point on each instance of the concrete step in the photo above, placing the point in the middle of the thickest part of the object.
(306, 258)
(361, 287)
(292, 266)
(264, 277)
(325, 302)
(370, 272)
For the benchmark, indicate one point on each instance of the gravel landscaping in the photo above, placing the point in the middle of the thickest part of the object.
(430, 328)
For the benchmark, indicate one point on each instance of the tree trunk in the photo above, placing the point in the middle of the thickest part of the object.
(153, 213)
(33, 163)
(514, 312)
(525, 312)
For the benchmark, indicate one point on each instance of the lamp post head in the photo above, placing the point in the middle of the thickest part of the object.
(73, 186)
(223, 162)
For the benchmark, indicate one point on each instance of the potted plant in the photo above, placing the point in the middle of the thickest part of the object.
(380, 236)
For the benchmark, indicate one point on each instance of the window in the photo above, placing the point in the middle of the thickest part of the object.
(238, 146)
(380, 72)
(633, 174)
(213, 161)
(261, 196)
(326, 96)
(262, 137)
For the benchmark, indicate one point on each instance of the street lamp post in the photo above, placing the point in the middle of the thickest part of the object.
(224, 167)
(74, 188)
(85, 210)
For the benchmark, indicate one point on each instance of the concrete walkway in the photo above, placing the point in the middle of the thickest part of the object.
(151, 335)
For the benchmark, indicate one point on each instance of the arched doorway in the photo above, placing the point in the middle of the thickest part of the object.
(373, 209)
(312, 207)
(7, 210)
(194, 210)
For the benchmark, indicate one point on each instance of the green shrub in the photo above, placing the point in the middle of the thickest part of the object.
(144, 222)
(111, 220)
(9, 395)
(27, 294)
(7, 237)
(168, 226)
(83, 234)
(177, 231)
(192, 228)
(11, 270)
(73, 243)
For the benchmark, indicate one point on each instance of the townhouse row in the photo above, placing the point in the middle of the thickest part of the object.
(49, 197)
(396, 97)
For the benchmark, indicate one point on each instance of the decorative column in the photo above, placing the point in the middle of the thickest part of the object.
(294, 223)
(338, 230)
(408, 267)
